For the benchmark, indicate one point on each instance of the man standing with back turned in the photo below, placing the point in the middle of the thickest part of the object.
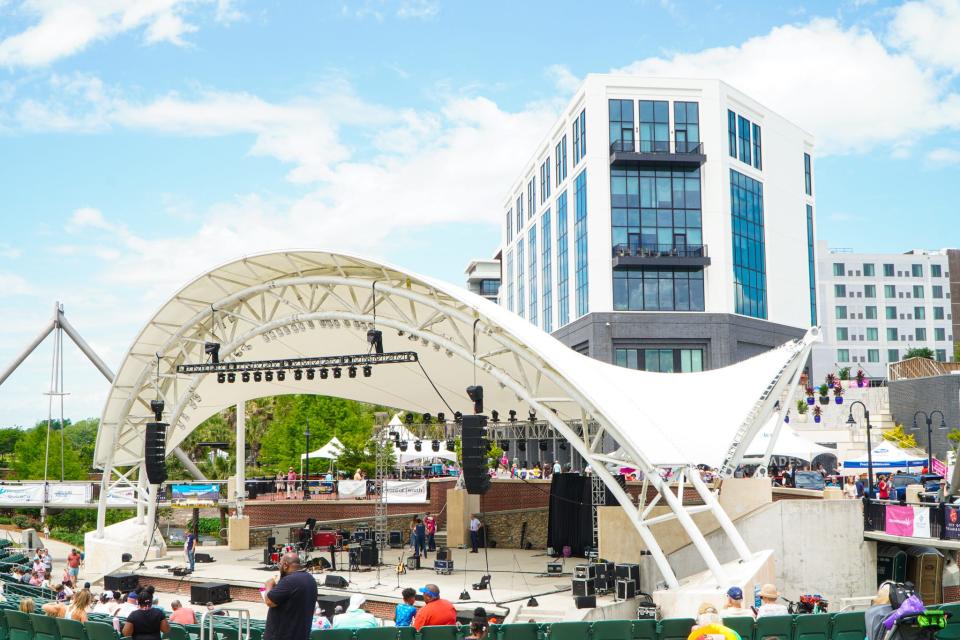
(291, 601)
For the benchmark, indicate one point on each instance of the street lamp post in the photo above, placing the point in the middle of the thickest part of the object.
(852, 422)
(306, 474)
(929, 420)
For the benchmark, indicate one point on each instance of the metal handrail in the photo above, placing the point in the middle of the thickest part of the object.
(657, 146)
(661, 250)
(242, 614)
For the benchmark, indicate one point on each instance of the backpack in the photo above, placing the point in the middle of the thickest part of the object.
(899, 592)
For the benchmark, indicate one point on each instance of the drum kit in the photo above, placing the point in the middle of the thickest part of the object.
(311, 543)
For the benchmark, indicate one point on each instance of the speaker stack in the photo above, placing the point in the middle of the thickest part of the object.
(122, 582)
(474, 454)
(215, 592)
(155, 452)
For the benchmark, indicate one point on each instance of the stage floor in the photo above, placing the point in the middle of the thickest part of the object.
(515, 576)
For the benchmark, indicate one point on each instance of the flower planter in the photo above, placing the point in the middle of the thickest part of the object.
(786, 419)
(838, 399)
(824, 400)
(830, 385)
(816, 419)
(811, 400)
(861, 383)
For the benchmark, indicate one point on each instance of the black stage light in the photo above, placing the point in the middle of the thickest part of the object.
(475, 393)
(513, 415)
(231, 377)
(457, 417)
(505, 445)
(352, 371)
(281, 376)
(427, 419)
(418, 445)
(257, 376)
(532, 416)
(324, 373)
(441, 417)
(268, 376)
(403, 445)
(367, 371)
(495, 415)
(451, 445)
(311, 373)
(522, 445)
(336, 372)
(375, 337)
(395, 436)
(221, 378)
(245, 376)
(435, 445)
(543, 445)
(408, 418)
(157, 407)
(563, 446)
(212, 349)
(298, 374)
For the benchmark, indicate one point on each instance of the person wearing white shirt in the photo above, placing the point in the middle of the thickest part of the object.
(556, 466)
(475, 526)
(734, 607)
(769, 605)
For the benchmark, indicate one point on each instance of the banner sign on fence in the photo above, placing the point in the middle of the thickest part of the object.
(122, 497)
(17, 494)
(72, 494)
(921, 522)
(951, 522)
(194, 495)
(899, 520)
(347, 489)
(405, 491)
(938, 468)
(321, 487)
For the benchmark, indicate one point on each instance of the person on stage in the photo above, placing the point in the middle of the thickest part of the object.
(419, 538)
(291, 601)
(475, 526)
(430, 523)
(190, 548)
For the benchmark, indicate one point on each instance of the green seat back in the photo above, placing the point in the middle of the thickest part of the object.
(441, 632)
(71, 629)
(812, 627)
(779, 627)
(612, 630)
(19, 625)
(518, 631)
(44, 627)
(406, 633)
(332, 634)
(743, 625)
(379, 633)
(952, 630)
(100, 630)
(675, 628)
(4, 630)
(177, 632)
(643, 629)
(565, 630)
(848, 626)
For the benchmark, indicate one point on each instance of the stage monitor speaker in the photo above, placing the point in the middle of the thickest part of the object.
(323, 562)
(215, 592)
(586, 602)
(123, 582)
(126, 557)
(395, 540)
(626, 589)
(474, 448)
(203, 557)
(443, 553)
(338, 582)
(155, 452)
(328, 603)
(584, 587)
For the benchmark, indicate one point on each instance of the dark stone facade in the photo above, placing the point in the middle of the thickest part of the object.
(927, 394)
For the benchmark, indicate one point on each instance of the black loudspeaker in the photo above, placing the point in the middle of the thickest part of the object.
(123, 582)
(329, 602)
(629, 571)
(323, 562)
(202, 557)
(626, 589)
(586, 602)
(584, 587)
(271, 543)
(443, 553)
(126, 557)
(474, 454)
(368, 556)
(155, 452)
(338, 582)
(215, 592)
(554, 568)
(395, 540)
(266, 556)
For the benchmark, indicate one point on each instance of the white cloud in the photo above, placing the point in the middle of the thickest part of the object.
(563, 79)
(942, 156)
(930, 31)
(418, 9)
(88, 217)
(13, 285)
(840, 83)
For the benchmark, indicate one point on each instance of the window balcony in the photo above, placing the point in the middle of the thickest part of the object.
(640, 152)
(684, 256)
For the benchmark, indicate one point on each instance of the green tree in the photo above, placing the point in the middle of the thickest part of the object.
(82, 436)
(954, 437)
(919, 352)
(30, 454)
(8, 441)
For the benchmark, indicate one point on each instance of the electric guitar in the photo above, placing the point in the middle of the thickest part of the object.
(401, 565)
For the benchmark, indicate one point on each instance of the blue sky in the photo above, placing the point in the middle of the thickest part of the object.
(143, 141)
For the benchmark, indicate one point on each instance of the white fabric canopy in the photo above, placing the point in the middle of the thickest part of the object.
(331, 450)
(405, 457)
(789, 443)
(887, 457)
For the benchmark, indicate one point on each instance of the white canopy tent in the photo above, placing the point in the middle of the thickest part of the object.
(789, 443)
(330, 451)
(410, 455)
(887, 457)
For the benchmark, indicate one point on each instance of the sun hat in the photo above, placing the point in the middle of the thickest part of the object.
(769, 591)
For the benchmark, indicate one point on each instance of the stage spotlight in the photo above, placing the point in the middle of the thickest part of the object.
(395, 436)
(495, 415)
(337, 372)
(563, 446)
(352, 371)
(367, 371)
(268, 376)
(281, 376)
(157, 407)
(257, 376)
(375, 337)
(245, 376)
(324, 373)
(457, 417)
(521, 445)
(451, 445)
(441, 417)
(418, 445)
(231, 377)
(221, 378)
(212, 349)
(403, 445)
(408, 418)
(435, 445)
(543, 445)
(505, 445)
(532, 416)
(475, 393)
(311, 373)
(513, 415)
(427, 419)
(298, 374)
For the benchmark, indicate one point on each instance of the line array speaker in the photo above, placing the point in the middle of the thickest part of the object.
(474, 454)
(155, 452)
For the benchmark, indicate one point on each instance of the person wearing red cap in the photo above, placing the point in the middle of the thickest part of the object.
(436, 611)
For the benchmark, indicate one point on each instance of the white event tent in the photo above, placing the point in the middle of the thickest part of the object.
(410, 455)
(331, 450)
(887, 457)
(789, 443)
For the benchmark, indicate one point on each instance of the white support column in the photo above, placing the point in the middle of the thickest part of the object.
(240, 486)
(143, 492)
(726, 523)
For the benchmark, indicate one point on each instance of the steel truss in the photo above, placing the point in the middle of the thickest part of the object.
(292, 304)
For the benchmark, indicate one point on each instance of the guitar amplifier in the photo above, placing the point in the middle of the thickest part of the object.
(626, 589)
(554, 568)
(584, 587)
(214, 592)
(443, 567)
(413, 562)
(369, 556)
(443, 553)
(395, 540)
(585, 571)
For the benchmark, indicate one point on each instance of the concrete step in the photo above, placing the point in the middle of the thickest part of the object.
(541, 615)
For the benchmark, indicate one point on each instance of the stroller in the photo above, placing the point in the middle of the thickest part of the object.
(910, 619)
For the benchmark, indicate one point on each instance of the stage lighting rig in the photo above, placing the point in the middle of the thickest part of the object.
(337, 372)
(245, 376)
(375, 338)
(427, 418)
(268, 376)
(408, 418)
(513, 415)
(451, 445)
(367, 371)
(324, 373)
(257, 376)
(418, 445)
(457, 417)
(212, 349)
(221, 378)
(441, 417)
(298, 374)
(403, 445)
(352, 372)
(231, 377)
(435, 445)
(495, 416)
(475, 393)
(281, 376)
(157, 407)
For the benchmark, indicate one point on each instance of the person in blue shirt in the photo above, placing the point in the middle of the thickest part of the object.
(406, 610)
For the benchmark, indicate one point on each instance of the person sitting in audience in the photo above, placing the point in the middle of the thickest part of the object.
(770, 606)
(128, 607)
(479, 625)
(147, 622)
(734, 607)
(35, 579)
(436, 611)
(355, 617)
(27, 605)
(46, 583)
(80, 606)
(406, 610)
(25, 576)
(181, 614)
(105, 604)
(320, 621)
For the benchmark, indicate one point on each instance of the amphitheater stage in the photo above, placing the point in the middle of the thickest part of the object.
(515, 577)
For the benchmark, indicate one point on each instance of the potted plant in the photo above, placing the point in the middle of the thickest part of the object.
(861, 378)
(802, 406)
(831, 380)
(786, 418)
(817, 411)
(824, 394)
(838, 394)
(810, 399)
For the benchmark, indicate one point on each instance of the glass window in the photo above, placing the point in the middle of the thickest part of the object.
(521, 280)
(841, 313)
(873, 334)
(840, 290)
(757, 162)
(686, 127)
(563, 262)
(749, 253)
(936, 271)
(510, 225)
(657, 208)
(545, 180)
(561, 159)
(807, 175)
(919, 313)
(938, 313)
(652, 290)
(918, 291)
(937, 291)
(869, 291)
(868, 269)
(743, 139)
(519, 213)
(843, 355)
(621, 125)
(660, 360)
(510, 280)
(891, 334)
(939, 334)
(654, 126)
(732, 133)
(489, 288)
(893, 355)
(838, 269)
(532, 273)
(941, 355)
(873, 355)
(920, 333)
(889, 291)
(579, 137)
(890, 313)
(546, 278)
(870, 312)
(811, 268)
(531, 203)
(916, 270)
(843, 334)
(580, 242)
(888, 270)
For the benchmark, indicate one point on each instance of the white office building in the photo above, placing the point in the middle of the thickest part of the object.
(664, 224)
(878, 306)
(483, 278)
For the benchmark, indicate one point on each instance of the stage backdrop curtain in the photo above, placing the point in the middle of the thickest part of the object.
(570, 519)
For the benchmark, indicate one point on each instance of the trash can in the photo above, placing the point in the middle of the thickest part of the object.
(891, 563)
(925, 571)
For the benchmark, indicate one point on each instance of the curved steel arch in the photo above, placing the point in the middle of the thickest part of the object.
(291, 296)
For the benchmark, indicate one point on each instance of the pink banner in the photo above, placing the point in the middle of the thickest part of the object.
(939, 468)
(899, 520)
